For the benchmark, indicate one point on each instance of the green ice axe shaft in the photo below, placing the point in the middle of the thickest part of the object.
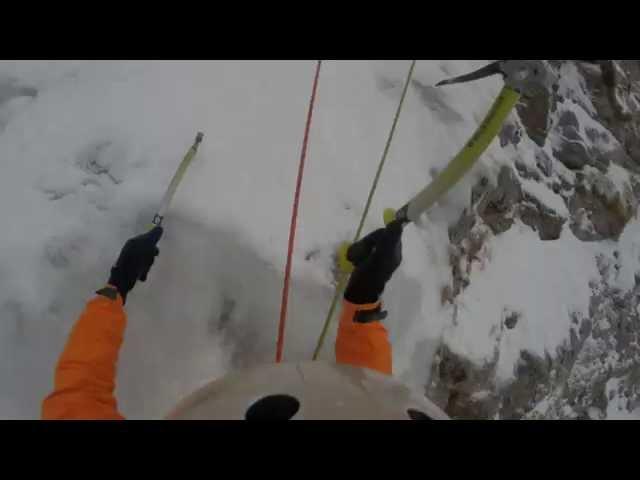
(462, 162)
(175, 181)
(520, 77)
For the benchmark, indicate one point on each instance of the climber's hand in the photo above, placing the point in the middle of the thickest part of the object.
(375, 258)
(135, 261)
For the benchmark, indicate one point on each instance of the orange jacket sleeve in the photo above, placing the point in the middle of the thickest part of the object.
(85, 374)
(362, 344)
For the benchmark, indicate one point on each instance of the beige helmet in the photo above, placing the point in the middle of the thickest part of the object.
(306, 391)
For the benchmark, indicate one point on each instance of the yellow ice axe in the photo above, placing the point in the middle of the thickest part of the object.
(520, 77)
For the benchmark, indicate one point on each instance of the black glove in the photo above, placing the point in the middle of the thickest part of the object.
(135, 261)
(375, 258)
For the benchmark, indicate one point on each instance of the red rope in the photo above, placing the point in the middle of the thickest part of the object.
(294, 217)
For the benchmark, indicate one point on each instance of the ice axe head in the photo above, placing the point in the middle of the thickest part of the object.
(527, 77)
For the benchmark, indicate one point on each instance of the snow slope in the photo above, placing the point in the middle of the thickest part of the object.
(86, 160)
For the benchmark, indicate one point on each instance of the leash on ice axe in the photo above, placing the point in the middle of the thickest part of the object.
(521, 78)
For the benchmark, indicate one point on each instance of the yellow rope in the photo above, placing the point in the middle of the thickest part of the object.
(343, 276)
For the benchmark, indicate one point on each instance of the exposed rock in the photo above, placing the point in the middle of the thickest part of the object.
(556, 97)
(610, 78)
(541, 219)
(510, 135)
(462, 228)
(572, 133)
(599, 362)
(459, 276)
(500, 206)
(613, 328)
(598, 210)
(446, 295)
(572, 154)
(493, 210)
(543, 162)
(527, 172)
(564, 183)
(459, 382)
(496, 207)
(568, 119)
(511, 320)
(470, 239)
(532, 375)
(572, 383)
(612, 98)
(596, 136)
(601, 225)
(479, 189)
(534, 115)
(619, 156)
(600, 161)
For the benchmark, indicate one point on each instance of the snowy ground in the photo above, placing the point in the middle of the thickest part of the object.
(85, 163)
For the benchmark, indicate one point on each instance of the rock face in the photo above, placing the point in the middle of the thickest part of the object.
(573, 154)
(535, 117)
(571, 384)
(543, 162)
(499, 207)
(616, 97)
(542, 219)
(510, 134)
(594, 169)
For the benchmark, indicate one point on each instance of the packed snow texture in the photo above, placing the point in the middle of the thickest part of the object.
(88, 148)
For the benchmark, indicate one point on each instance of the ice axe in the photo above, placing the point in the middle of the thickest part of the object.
(175, 181)
(521, 77)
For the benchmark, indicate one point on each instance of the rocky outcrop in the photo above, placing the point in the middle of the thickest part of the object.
(598, 367)
(598, 210)
(571, 384)
(499, 207)
(543, 162)
(534, 114)
(510, 134)
(496, 208)
(541, 218)
(617, 103)
(493, 210)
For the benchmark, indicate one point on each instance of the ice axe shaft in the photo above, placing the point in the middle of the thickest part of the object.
(520, 77)
(175, 181)
(462, 162)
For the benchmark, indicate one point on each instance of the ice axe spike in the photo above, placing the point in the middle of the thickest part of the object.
(486, 71)
(523, 76)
